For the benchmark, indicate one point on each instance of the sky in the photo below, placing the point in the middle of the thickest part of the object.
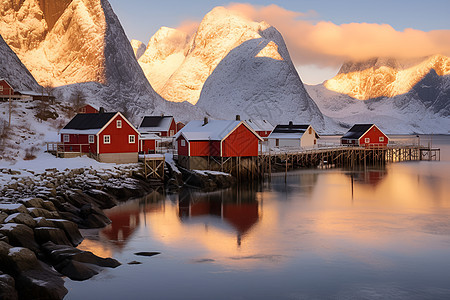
(320, 34)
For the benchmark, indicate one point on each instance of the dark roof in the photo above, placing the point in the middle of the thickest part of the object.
(290, 128)
(89, 121)
(356, 131)
(153, 121)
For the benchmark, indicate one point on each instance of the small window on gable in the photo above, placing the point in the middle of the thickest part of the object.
(106, 139)
(66, 138)
(91, 139)
(131, 139)
(381, 139)
(83, 110)
(119, 123)
(310, 130)
(367, 140)
(183, 143)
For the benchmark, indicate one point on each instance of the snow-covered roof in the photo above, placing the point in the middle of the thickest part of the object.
(155, 124)
(214, 130)
(33, 93)
(357, 131)
(260, 125)
(149, 136)
(288, 136)
(290, 131)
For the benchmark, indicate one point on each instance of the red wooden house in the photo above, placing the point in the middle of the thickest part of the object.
(163, 126)
(367, 135)
(87, 109)
(7, 91)
(149, 142)
(108, 137)
(199, 140)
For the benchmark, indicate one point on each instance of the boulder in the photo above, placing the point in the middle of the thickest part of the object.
(48, 205)
(43, 222)
(7, 287)
(71, 230)
(102, 199)
(76, 270)
(20, 235)
(3, 216)
(21, 218)
(42, 283)
(32, 202)
(21, 259)
(55, 235)
(12, 208)
(40, 212)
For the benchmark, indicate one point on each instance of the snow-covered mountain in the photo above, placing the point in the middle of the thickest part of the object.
(400, 96)
(79, 44)
(138, 48)
(232, 65)
(12, 69)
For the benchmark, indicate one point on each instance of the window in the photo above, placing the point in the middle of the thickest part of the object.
(119, 123)
(277, 142)
(83, 110)
(171, 133)
(310, 130)
(381, 139)
(91, 139)
(131, 139)
(1, 88)
(183, 143)
(106, 139)
(66, 138)
(367, 140)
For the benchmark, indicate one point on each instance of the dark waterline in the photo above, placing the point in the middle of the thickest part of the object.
(325, 234)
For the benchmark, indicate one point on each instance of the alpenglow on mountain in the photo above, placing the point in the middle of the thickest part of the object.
(231, 65)
(81, 42)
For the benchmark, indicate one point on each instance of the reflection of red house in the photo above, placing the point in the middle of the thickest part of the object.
(371, 177)
(368, 135)
(124, 223)
(87, 109)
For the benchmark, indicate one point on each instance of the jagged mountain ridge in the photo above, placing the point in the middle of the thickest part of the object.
(385, 77)
(12, 69)
(204, 68)
(138, 48)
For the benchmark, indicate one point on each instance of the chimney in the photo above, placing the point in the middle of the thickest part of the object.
(238, 117)
(291, 124)
(101, 110)
(162, 115)
(205, 121)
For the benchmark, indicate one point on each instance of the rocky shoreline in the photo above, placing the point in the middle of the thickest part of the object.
(41, 214)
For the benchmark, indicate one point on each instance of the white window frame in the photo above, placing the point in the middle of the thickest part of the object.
(1, 88)
(119, 124)
(171, 132)
(91, 139)
(381, 139)
(106, 139)
(366, 140)
(131, 139)
(183, 143)
(66, 138)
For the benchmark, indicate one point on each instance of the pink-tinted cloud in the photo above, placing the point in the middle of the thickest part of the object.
(326, 44)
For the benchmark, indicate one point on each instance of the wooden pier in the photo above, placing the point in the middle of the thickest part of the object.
(341, 156)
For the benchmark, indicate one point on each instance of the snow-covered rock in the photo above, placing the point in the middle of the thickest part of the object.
(138, 48)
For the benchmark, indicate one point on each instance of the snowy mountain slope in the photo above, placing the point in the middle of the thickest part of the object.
(397, 115)
(385, 77)
(257, 79)
(12, 69)
(164, 54)
(138, 48)
(81, 45)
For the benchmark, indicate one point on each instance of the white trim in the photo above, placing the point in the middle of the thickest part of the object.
(189, 147)
(366, 140)
(89, 139)
(183, 143)
(98, 144)
(118, 123)
(381, 138)
(1, 88)
(221, 148)
(104, 139)
(66, 140)
(112, 119)
(131, 137)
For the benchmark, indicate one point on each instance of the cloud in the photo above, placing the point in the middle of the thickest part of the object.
(327, 44)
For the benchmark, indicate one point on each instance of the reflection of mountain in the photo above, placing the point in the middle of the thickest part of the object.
(237, 208)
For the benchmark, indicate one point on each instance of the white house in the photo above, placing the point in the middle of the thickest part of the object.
(293, 136)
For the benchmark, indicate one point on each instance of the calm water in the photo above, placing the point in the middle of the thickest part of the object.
(325, 234)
